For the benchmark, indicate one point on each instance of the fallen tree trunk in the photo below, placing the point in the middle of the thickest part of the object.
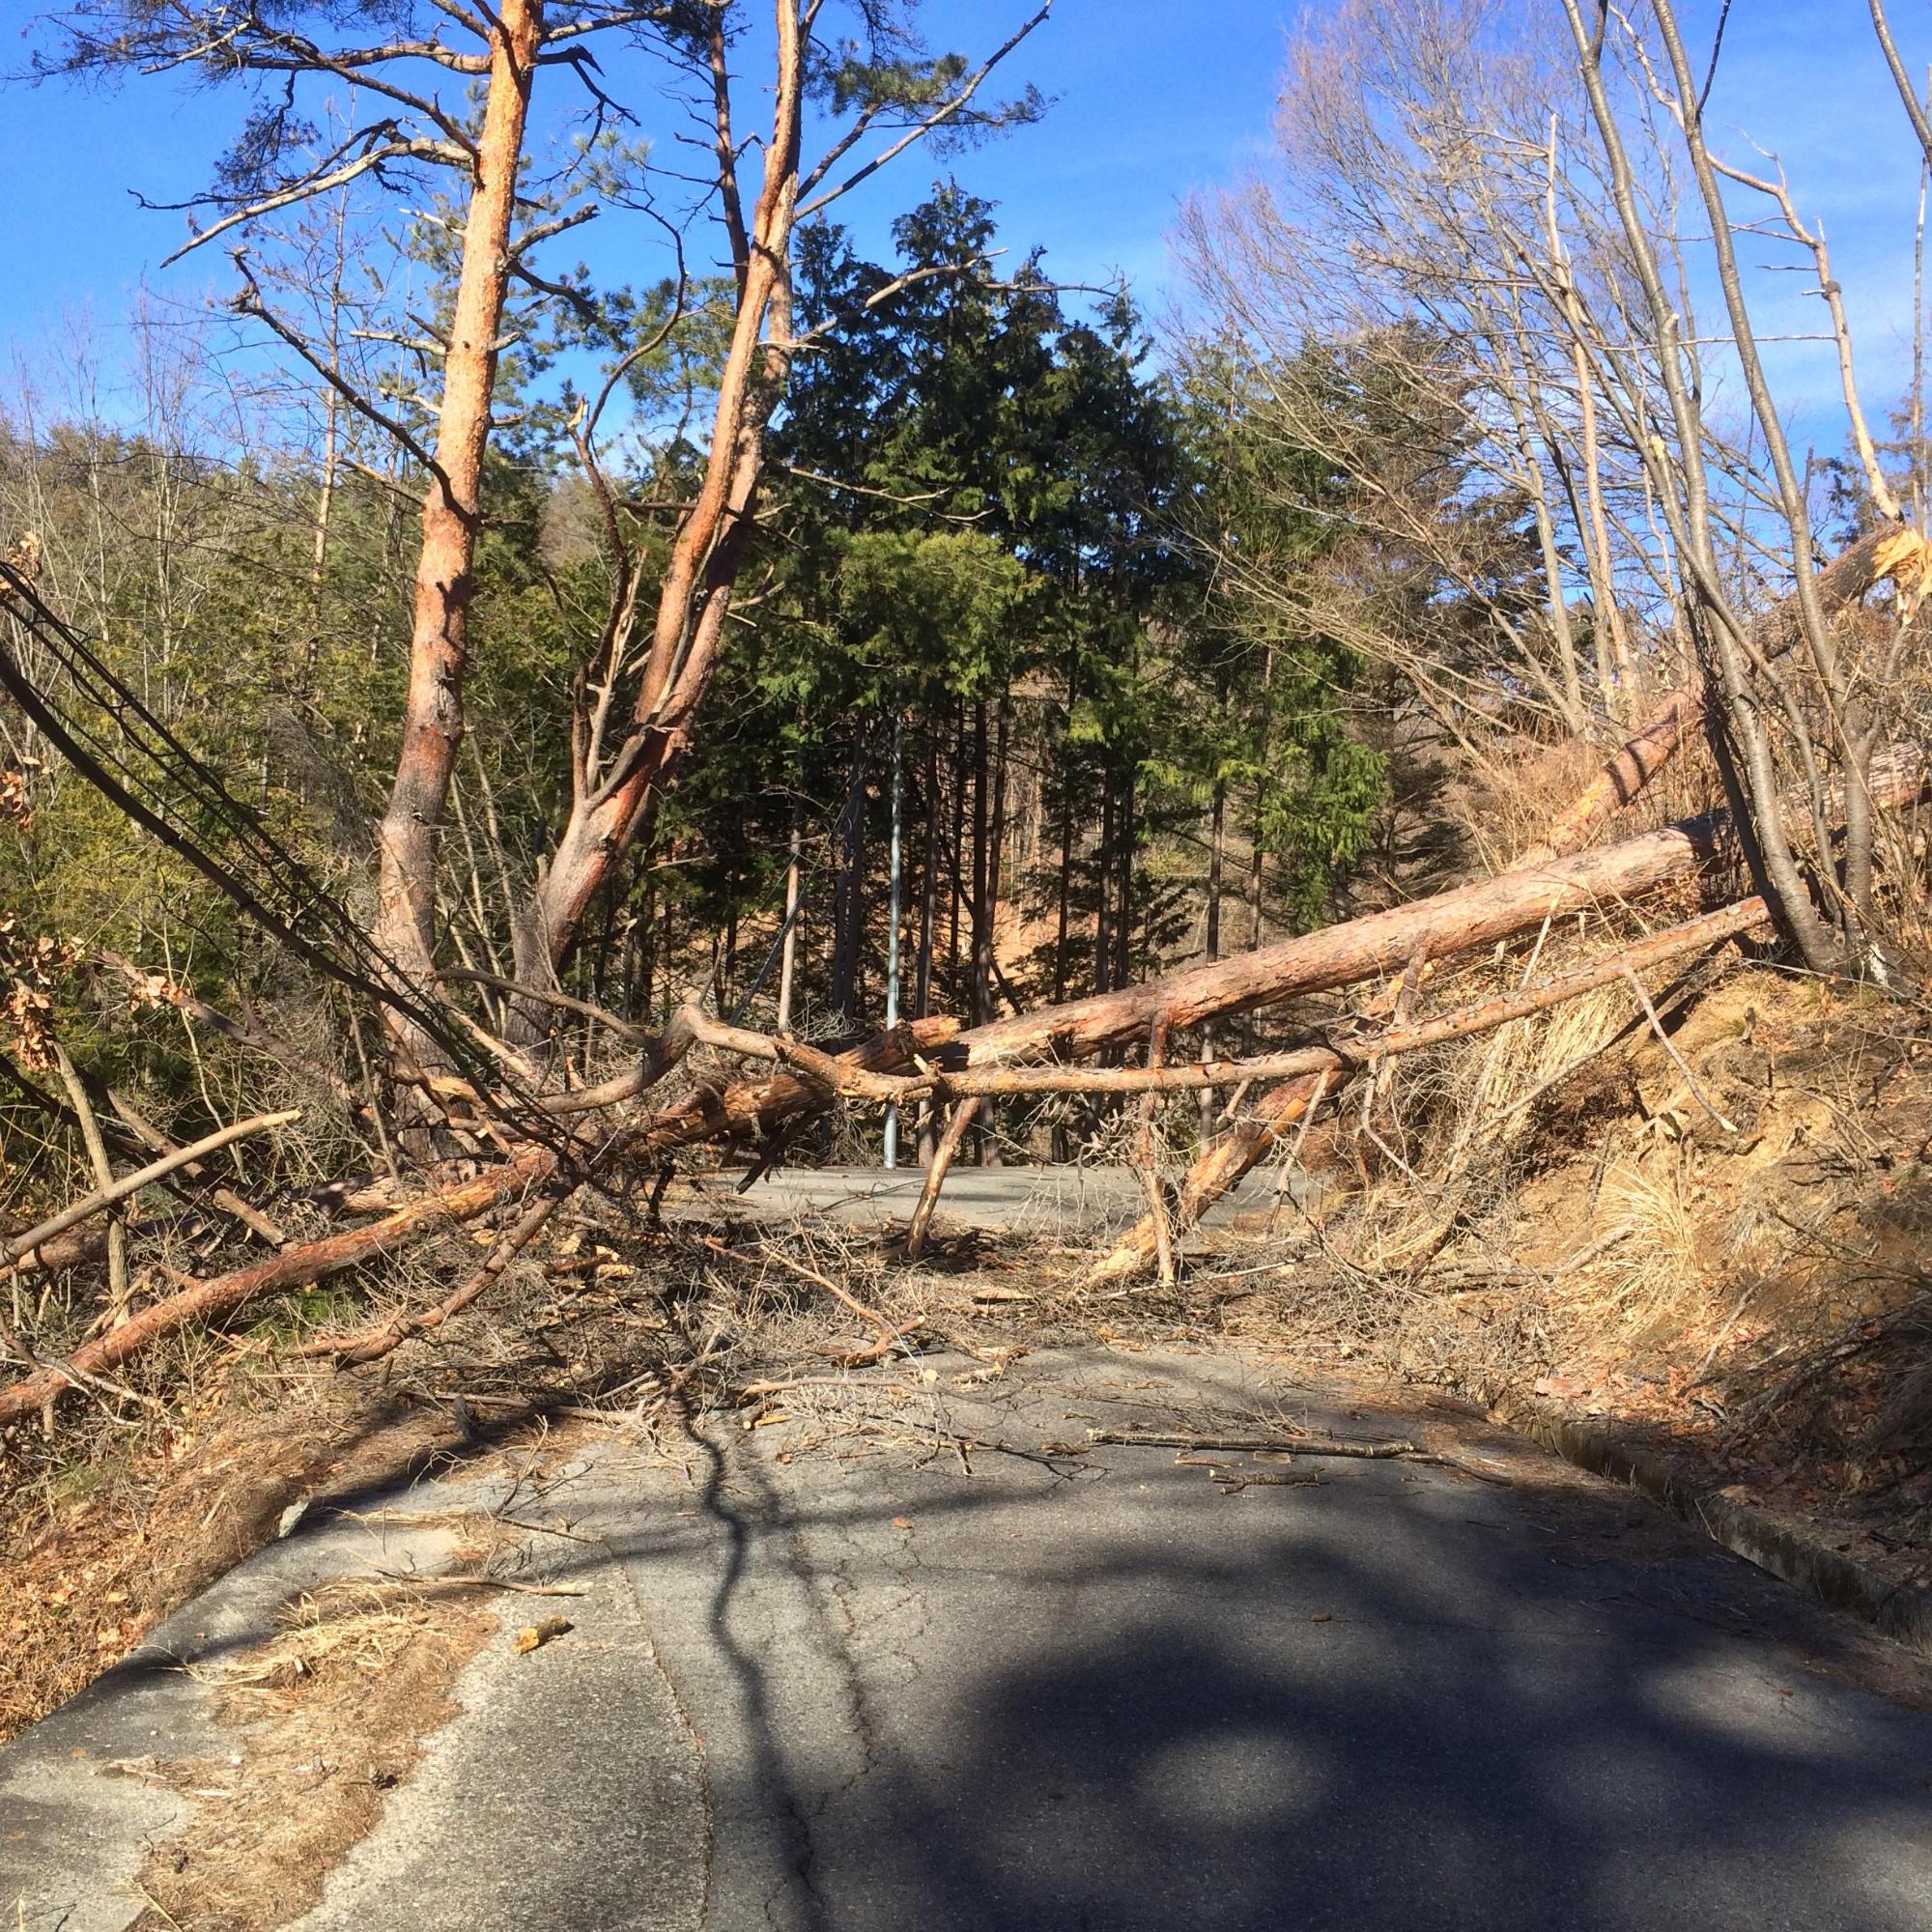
(1329, 1070)
(294, 1267)
(1468, 916)
(1891, 551)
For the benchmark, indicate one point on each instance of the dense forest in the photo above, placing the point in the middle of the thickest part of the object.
(449, 686)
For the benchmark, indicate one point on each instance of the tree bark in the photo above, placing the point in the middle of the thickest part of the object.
(1469, 915)
(611, 805)
(294, 1267)
(1217, 831)
(848, 903)
(438, 638)
(1325, 1072)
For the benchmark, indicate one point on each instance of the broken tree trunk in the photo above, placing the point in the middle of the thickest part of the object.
(1452, 921)
(1889, 552)
(1898, 776)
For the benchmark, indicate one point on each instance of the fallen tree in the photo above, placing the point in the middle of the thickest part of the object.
(935, 1057)
(1327, 1070)
(298, 1267)
(1892, 551)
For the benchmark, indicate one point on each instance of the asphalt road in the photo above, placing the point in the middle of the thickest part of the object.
(1044, 1200)
(860, 1672)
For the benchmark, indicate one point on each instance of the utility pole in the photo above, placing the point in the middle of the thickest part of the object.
(893, 919)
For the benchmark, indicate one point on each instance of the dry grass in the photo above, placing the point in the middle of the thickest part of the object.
(110, 1532)
(346, 1626)
(334, 1711)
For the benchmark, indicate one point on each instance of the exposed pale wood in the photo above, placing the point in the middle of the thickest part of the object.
(1156, 1214)
(935, 1176)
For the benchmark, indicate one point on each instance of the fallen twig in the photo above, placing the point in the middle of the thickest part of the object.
(1299, 1445)
(480, 1582)
(812, 1275)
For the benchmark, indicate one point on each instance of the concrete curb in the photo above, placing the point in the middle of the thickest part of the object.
(1755, 1535)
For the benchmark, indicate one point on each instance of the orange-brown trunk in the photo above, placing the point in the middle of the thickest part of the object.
(438, 638)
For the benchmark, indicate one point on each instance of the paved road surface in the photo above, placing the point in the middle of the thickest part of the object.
(864, 1678)
(1028, 1200)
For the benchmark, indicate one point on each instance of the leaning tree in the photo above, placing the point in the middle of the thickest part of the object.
(445, 97)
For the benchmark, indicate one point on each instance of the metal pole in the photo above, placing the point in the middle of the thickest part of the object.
(893, 928)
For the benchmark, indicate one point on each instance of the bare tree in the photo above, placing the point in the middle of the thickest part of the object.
(1482, 218)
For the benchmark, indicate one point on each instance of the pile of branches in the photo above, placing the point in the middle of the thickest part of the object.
(530, 1148)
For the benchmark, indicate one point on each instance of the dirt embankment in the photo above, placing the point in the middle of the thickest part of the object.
(1716, 1248)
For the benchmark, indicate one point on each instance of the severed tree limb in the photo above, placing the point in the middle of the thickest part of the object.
(935, 1176)
(1447, 924)
(838, 1077)
(371, 1345)
(1236, 1154)
(294, 1267)
(19, 1246)
(1283, 1106)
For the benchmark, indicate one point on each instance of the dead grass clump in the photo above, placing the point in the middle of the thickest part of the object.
(346, 1626)
(334, 1713)
(109, 1532)
(1643, 1274)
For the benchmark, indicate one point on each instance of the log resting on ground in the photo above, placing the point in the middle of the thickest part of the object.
(1238, 1152)
(1453, 921)
(1897, 777)
(297, 1267)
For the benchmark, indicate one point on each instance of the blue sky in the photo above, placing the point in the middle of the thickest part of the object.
(1156, 97)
